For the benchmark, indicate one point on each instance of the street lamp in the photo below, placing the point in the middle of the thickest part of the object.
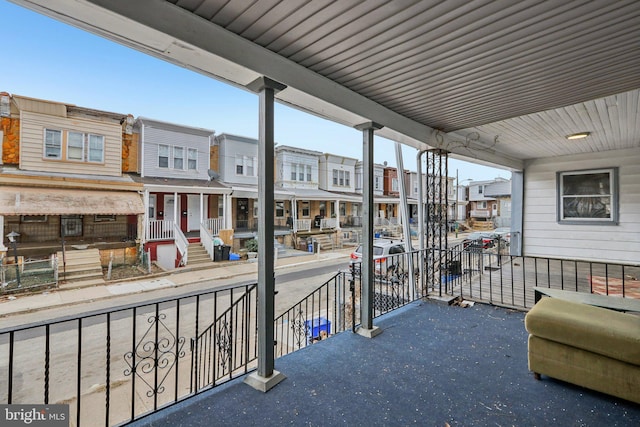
(12, 238)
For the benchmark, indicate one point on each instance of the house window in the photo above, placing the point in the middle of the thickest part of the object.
(481, 205)
(239, 165)
(52, 144)
(96, 148)
(103, 218)
(335, 177)
(301, 173)
(75, 146)
(249, 163)
(294, 172)
(343, 209)
(245, 166)
(192, 160)
(178, 158)
(376, 183)
(394, 184)
(305, 209)
(480, 189)
(588, 197)
(33, 218)
(341, 176)
(279, 209)
(308, 173)
(163, 156)
(255, 209)
(347, 178)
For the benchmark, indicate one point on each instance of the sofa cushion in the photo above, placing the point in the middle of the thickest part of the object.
(595, 329)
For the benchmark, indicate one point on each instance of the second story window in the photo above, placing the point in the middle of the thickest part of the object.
(394, 184)
(96, 148)
(192, 163)
(73, 146)
(294, 172)
(178, 158)
(52, 144)
(335, 177)
(163, 156)
(308, 173)
(376, 183)
(245, 166)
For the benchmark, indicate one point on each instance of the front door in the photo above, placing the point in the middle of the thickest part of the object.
(193, 212)
(71, 225)
(169, 203)
(242, 213)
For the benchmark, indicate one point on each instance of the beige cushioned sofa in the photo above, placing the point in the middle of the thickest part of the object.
(589, 346)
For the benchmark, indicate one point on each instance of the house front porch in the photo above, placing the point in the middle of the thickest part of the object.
(433, 364)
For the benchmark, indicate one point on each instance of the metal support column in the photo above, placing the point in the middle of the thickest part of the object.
(266, 377)
(437, 218)
(366, 297)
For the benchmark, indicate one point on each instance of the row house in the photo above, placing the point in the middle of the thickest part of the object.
(183, 202)
(63, 176)
(490, 201)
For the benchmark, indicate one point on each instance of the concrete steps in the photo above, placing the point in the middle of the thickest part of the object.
(80, 268)
(197, 255)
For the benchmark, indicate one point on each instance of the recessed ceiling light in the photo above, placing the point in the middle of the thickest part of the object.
(579, 135)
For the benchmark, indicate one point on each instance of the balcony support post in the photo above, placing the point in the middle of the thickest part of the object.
(266, 377)
(366, 271)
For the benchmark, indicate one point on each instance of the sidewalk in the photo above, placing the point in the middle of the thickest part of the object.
(176, 278)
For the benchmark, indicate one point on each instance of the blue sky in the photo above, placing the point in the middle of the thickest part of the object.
(46, 59)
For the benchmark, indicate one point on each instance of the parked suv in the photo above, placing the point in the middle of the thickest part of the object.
(383, 251)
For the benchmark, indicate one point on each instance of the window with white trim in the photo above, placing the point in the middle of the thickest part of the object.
(163, 156)
(279, 209)
(588, 196)
(294, 172)
(335, 177)
(481, 205)
(178, 158)
(73, 146)
(305, 209)
(96, 148)
(239, 165)
(192, 159)
(52, 144)
(394, 184)
(308, 167)
(245, 165)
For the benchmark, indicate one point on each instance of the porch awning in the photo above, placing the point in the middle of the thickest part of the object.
(53, 201)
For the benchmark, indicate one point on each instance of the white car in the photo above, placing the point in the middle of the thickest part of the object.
(383, 254)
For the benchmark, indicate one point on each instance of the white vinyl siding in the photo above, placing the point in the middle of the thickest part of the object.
(173, 154)
(44, 145)
(543, 235)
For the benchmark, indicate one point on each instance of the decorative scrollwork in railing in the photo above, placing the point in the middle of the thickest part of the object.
(299, 328)
(151, 354)
(472, 143)
(223, 343)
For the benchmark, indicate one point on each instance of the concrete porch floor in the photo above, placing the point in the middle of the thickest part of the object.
(433, 365)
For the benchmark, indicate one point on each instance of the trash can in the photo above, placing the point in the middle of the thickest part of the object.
(225, 252)
(454, 268)
(316, 326)
(218, 251)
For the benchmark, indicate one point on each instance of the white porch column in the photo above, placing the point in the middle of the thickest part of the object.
(226, 208)
(202, 218)
(145, 217)
(3, 248)
(337, 210)
(176, 211)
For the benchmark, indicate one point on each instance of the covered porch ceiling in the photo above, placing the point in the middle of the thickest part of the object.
(493, 82)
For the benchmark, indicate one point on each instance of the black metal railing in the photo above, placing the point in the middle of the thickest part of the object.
(229, 346)
(117, 365)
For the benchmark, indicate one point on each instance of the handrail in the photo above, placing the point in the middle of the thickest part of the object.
(328, 223)
(206, 239)
(182, 244)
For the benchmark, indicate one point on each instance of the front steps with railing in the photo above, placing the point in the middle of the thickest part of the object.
(80, 268)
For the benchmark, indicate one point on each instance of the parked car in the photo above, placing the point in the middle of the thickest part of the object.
(479, 240)
(504, 233)
(383, 251)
